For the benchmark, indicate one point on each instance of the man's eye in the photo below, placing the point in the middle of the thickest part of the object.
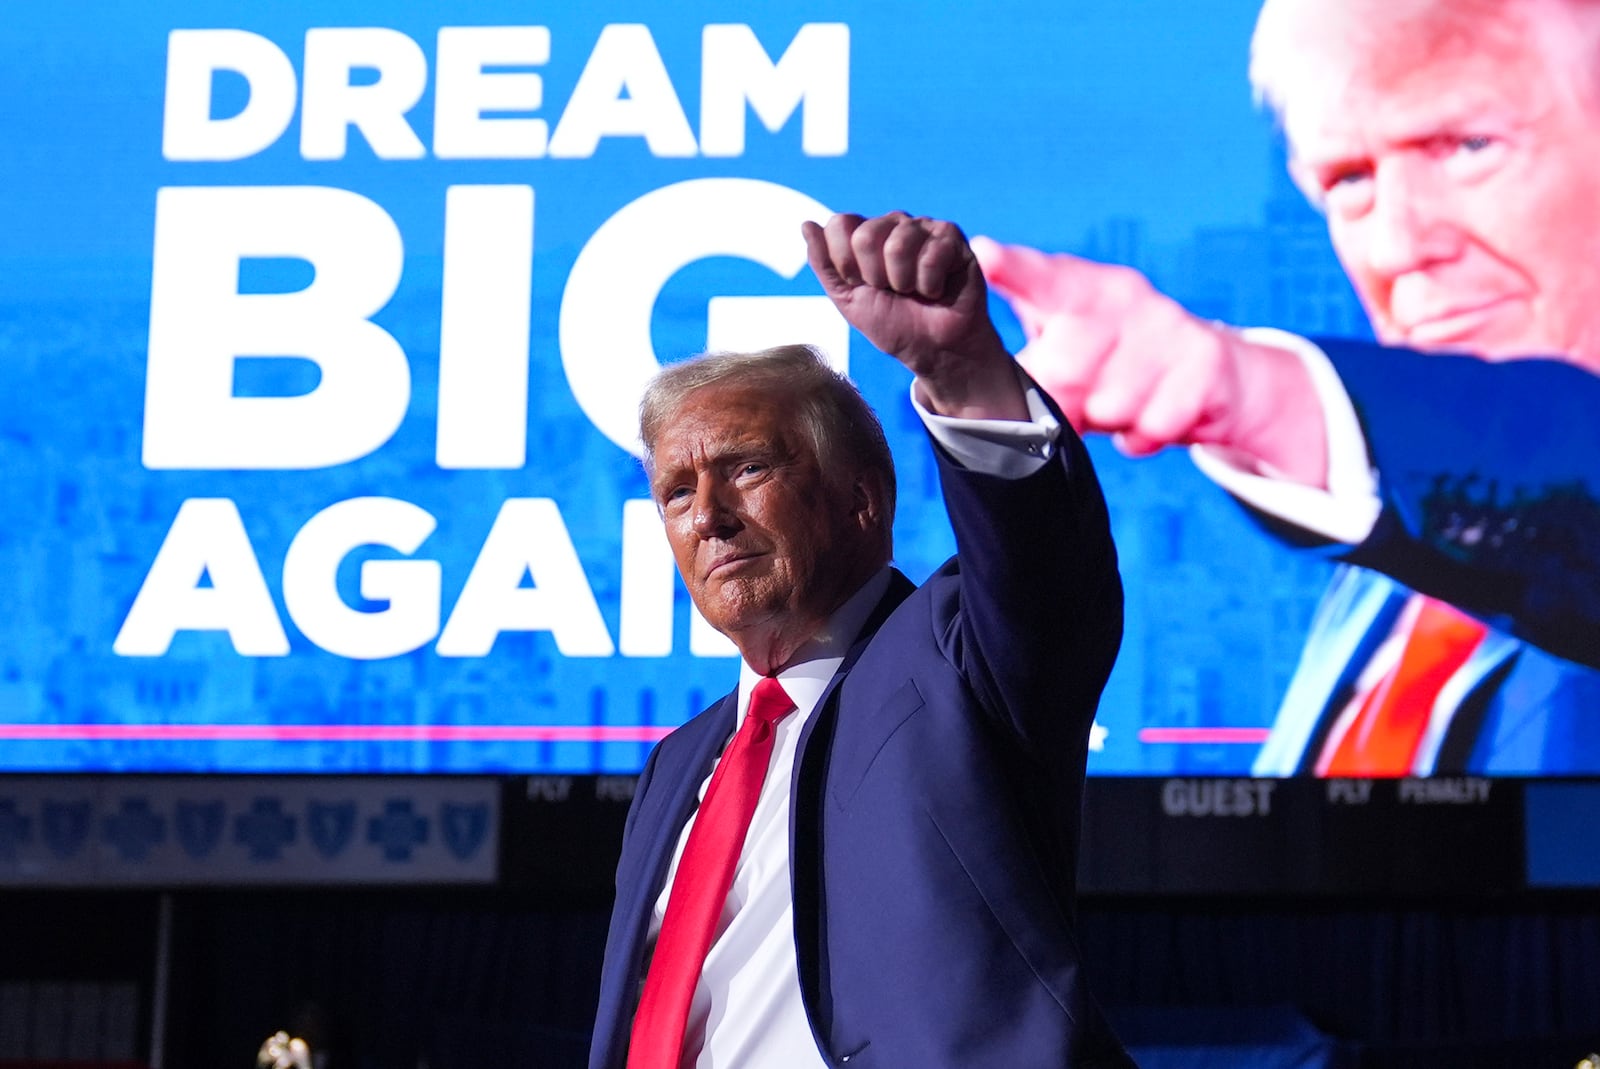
(1475, 156)
(1347, 191)
(752, 467)
(1345, 178)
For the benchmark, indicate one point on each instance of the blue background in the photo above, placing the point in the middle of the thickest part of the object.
(1122, 131)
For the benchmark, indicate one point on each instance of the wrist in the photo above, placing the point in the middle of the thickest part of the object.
(972, 384)
(1281, 426)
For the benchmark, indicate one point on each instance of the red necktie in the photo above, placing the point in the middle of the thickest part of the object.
(700, 888)
(1383, 736)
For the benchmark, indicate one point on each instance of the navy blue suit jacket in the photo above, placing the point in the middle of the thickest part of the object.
(935, 813)
(1489, 478)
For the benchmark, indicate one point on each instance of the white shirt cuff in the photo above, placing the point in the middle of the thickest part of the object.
(1348, 509)
(1008, 448)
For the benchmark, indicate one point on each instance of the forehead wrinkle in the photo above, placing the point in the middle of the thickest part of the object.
(1449, 98)
(1410, 121)
(701, 441)
(1359, 63)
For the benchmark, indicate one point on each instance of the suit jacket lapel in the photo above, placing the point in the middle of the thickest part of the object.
(805, 818)
(671, 798)
(900, 588)
(680, 779)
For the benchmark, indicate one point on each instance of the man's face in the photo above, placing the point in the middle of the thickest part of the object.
(1462, 191)
(766, 545)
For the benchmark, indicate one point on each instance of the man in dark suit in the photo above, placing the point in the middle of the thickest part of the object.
(877, 867)
(1455, 149)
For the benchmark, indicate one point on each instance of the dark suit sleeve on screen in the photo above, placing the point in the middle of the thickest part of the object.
(1489, 476)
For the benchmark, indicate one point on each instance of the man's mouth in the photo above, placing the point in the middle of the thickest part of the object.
(730, 564)
(1457, 323)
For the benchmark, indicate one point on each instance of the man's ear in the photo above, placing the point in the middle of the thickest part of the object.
(867, 499)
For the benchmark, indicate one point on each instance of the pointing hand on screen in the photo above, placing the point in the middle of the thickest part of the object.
(1121, 358)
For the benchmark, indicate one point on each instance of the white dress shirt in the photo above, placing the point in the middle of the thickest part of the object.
(747, 1011)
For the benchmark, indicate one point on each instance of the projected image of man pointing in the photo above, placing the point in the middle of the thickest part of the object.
(1455, 151)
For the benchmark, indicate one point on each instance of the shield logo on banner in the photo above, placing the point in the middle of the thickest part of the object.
(66, 827)
(331, 824)
(464, 828)
(199, 827)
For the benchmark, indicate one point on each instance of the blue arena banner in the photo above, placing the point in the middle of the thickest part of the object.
(324, 327)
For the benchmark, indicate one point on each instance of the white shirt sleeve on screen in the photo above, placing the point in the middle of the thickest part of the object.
(1348, 509)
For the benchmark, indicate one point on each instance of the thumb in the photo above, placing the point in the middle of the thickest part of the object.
(821, 261)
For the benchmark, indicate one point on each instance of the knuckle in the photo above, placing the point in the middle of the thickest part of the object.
(1126, 283)
(1156, 427)
(902, 238)
(871, 231)
(844, 223)
(1164, 318)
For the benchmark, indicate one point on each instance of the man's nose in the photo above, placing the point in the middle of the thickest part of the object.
(714, 515)
(1413, 225)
